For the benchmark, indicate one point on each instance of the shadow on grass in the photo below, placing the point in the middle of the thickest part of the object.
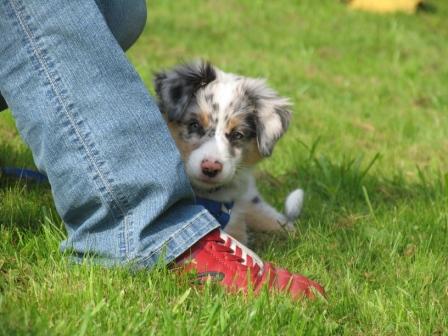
(426, 7)
(348, 182)
(24, 204)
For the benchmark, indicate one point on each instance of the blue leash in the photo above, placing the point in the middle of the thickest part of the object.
(22, 173)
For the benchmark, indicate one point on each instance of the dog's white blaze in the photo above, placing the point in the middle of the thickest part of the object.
(224, 91)
(220, 140)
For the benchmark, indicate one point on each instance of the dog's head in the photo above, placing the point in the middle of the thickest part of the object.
(222, 123)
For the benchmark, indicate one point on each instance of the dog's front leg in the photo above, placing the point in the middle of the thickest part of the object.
(237, 225)
(261, 216)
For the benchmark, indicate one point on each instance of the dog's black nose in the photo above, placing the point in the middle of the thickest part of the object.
(210, 172)
(211, 168)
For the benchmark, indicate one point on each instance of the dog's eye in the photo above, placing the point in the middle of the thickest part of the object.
(195, 127)
(235, 136)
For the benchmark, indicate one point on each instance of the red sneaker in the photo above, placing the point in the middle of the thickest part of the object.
(219, 257)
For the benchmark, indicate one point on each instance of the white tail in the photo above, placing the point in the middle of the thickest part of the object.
(293, 205)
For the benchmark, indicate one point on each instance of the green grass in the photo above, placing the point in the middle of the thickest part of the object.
(368, 143)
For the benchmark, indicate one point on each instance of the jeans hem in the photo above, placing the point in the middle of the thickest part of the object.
(178, 242)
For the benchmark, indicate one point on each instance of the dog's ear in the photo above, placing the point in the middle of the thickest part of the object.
(175, 88)
(272, 113)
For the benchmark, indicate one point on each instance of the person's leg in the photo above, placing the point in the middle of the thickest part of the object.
(125, 19)
(116, 176)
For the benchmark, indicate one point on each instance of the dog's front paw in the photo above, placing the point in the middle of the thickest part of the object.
(288, 226)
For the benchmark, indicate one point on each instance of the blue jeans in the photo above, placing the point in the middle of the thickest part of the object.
(116, 176)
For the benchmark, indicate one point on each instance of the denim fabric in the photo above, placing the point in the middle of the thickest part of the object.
(116, 176)
(125, 19)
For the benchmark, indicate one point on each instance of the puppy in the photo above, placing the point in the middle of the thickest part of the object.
(223, 124)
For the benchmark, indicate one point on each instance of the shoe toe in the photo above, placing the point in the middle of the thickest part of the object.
(302, 286)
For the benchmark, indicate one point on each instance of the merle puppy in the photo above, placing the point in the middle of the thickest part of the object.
(223, 124)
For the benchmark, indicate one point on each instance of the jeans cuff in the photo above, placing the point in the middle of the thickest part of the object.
(179, 241)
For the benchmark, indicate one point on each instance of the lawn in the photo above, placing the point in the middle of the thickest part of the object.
(368, 143)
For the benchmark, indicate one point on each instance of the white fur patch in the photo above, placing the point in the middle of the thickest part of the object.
(224, 91)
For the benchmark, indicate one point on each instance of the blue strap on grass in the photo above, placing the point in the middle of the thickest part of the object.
(22, 173)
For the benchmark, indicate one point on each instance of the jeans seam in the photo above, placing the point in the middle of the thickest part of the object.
(37, 53)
